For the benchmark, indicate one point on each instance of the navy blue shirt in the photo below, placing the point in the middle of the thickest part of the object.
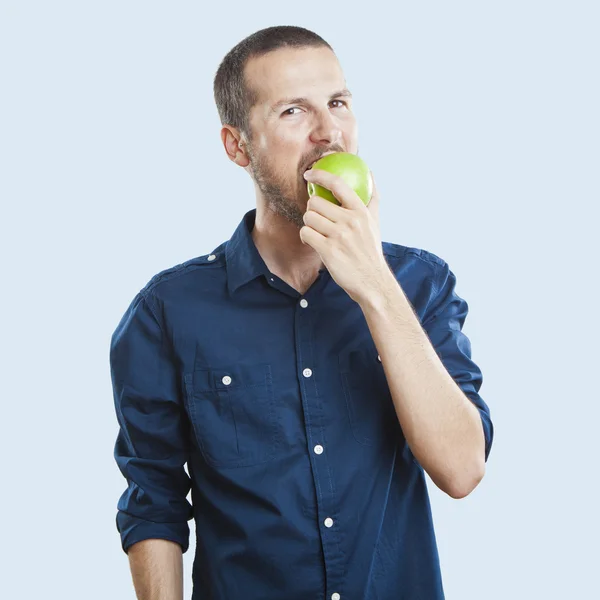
(302, 484)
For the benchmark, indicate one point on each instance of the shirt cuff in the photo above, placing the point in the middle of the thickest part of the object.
(134, 529)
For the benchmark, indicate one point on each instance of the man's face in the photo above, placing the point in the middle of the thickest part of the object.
(301, 115)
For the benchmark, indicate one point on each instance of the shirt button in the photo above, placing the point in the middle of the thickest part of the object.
(212, 257)
(335, 596)
(318, 449)
(307, 372)
(226, 380)
(328, 522)
(379, 358)
(303, 303)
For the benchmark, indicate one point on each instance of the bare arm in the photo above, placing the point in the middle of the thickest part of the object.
(441, 425)
(157, 569)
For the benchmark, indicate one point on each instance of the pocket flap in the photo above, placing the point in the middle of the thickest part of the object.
(231, 377)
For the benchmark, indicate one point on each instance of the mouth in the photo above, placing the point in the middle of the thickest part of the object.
(314, 161)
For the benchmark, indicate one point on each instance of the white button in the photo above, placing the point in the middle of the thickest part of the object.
(303, 303)
(307, 372)
(272, 279)
(335, 596)
(379, 358)
(212, 257)
(226, 380)
(328, 522)
(318, 449)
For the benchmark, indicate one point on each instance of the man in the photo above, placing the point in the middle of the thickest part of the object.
(307, 373)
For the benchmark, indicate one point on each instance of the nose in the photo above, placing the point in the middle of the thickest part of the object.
(326, 129)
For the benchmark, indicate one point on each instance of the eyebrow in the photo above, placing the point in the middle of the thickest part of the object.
(345, 93)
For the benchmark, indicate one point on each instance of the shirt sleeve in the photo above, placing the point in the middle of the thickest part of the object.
(443, 323)
(151, 448)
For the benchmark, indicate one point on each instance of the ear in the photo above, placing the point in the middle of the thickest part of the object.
(234, 145)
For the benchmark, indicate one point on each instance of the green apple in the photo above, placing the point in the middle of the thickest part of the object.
(351, 168)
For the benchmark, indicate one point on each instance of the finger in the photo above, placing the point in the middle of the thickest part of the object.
(328, 209)
(319, 223)
(345, 195)
(312, 238)
(373, 204)
(374, 193)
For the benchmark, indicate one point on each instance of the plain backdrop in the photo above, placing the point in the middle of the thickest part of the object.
(480, 122)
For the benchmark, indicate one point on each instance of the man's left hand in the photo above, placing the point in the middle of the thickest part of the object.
(346, 237)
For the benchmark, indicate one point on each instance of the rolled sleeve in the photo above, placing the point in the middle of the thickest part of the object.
(151, 447)
(443, 323)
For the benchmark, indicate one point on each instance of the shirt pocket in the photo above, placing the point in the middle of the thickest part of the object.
(369, 402)
(232, 411)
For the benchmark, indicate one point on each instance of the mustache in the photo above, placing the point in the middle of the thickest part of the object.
(320, 155)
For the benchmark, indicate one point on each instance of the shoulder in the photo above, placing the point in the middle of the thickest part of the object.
(197, 266)
(399, 254)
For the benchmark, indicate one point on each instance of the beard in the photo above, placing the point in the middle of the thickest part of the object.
(281, 195)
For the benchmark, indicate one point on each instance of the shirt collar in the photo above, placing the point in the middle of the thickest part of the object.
(244, 263)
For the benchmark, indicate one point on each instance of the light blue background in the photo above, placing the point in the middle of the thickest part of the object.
(480, 121)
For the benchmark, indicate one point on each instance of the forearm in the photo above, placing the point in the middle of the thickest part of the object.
(157, 569)
(441, 425)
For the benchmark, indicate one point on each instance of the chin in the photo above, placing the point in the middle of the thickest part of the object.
(303, 193)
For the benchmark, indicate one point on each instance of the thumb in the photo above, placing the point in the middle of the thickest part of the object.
(374, 194)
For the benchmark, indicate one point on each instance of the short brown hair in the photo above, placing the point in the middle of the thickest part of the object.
(233, 97)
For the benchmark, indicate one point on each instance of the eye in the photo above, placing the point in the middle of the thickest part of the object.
(288, 113)
(342, 101)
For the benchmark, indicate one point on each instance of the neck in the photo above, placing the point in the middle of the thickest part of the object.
(279, 245)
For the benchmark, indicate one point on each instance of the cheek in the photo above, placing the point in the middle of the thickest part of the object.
(351, 133)
(287, 151)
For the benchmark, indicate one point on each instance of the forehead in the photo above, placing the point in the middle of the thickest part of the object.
(287, 72)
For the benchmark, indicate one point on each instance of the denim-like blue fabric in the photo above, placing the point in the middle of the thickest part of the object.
(302, 484)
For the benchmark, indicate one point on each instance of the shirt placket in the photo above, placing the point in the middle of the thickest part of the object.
(313, 405)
